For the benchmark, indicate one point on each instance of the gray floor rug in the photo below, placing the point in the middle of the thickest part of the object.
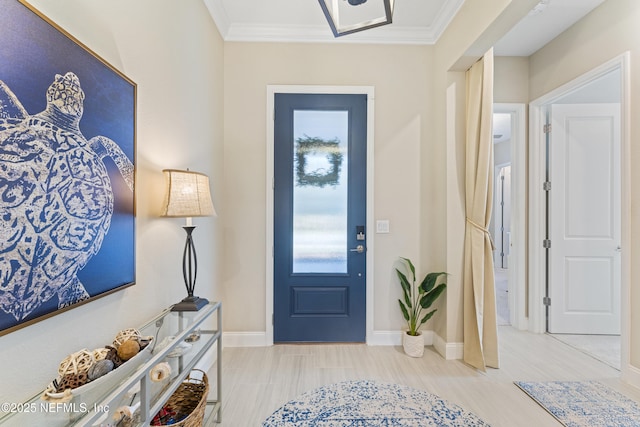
(584, 403)
(370, 404)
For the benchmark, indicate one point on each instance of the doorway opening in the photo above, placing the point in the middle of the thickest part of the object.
(508, 219)
(500, 225)
(580, 214)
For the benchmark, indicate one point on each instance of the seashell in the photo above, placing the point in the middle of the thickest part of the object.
(122, 412)
(76, 363)
(100, 368)
(128, 349)
(160, 372)
(125, 412)
(144, 341)
(126, 335)
(72, 381)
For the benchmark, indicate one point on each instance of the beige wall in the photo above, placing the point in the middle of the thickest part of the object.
(164, 46)
(419, 159)
(403, 130)
(473, 31)
(511, 80)
(609, 31)
(411, 160)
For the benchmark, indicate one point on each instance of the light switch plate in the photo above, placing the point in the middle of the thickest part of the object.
(382, 226)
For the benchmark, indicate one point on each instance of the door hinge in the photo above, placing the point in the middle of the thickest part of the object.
(546, 301)
(546, 243)
(546, 186)
(547, 128)
(272, 319)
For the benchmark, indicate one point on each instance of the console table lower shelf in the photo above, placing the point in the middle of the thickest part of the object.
(180, 340)
(212, 413)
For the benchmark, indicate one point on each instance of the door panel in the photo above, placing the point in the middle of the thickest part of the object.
(585, 219)
(319, 217)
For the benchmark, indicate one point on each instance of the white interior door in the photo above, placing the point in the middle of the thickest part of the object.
(585, 219)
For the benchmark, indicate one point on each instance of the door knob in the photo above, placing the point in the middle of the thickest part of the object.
(359, 249)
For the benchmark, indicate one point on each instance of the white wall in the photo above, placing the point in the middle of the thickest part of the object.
(173, 52)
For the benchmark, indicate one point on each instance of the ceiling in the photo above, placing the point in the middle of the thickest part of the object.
(414, 22)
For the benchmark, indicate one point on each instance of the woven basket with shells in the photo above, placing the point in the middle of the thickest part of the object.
(85, 368)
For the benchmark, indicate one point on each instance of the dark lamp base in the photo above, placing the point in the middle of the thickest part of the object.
(190, 304)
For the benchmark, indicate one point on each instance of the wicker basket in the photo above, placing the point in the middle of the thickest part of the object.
(190, 399)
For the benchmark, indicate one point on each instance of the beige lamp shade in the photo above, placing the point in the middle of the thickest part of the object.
(187, 194)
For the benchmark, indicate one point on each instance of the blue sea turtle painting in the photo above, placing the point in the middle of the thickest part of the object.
(56, 198)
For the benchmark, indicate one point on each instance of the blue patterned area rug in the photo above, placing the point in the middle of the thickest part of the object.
(370, 404)
(584, 403)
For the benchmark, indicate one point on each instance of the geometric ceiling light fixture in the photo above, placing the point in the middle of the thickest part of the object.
(350, 16)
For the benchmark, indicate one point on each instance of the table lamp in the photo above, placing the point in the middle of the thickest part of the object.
(187, 196)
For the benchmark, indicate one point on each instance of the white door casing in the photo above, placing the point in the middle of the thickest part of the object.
(517, 209)
(266, 338)
(585, 219)
(536, 203)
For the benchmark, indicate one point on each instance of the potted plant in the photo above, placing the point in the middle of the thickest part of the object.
(416, 300)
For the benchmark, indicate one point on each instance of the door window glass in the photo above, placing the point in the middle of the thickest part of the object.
(320, 191)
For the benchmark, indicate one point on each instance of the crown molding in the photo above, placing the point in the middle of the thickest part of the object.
(445, 16)
(219, 15)
(388, 34)
(322, 34)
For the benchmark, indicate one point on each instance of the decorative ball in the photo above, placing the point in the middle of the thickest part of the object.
(72, 381)
(126, 335)
(100, 353)
(128, 349)
(76, 363)
(100, 368)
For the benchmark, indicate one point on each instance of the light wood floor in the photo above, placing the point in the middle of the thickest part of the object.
(257, 381)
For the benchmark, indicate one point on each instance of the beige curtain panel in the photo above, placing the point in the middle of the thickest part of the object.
(480, 324)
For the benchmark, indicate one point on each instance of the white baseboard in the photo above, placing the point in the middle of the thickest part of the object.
(631, 375)
(394, 338)
(208, 360)
(384, 338)
(450, 351)
(244, 339)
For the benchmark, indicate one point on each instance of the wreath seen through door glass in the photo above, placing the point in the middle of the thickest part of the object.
(318, 161)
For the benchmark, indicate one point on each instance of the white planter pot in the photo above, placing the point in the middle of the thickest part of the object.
(413, 345)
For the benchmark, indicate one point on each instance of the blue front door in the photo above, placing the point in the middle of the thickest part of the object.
(320, 151)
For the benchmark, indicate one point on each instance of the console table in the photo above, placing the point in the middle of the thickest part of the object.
(98, 406)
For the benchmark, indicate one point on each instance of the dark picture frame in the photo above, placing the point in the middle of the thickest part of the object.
(67, 171)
